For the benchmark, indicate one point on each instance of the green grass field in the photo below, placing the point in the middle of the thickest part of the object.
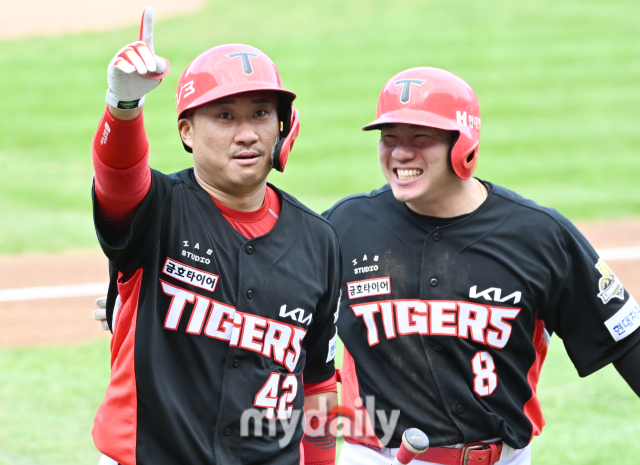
(558, 86)
(49, 396)
(557, 83)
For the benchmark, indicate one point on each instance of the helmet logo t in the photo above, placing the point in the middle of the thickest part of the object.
(405, 95)
(246, 63)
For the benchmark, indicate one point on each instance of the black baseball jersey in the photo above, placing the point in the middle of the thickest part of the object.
(450, 324)
(210, 325)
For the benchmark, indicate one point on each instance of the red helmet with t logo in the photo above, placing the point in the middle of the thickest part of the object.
(436, 98)
(234, 69)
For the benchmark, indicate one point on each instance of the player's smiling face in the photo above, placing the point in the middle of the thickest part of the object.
(231, 139)
(414, 160)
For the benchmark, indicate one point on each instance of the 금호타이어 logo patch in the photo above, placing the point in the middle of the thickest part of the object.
(369, 287)
(190, 275)
(609, 285)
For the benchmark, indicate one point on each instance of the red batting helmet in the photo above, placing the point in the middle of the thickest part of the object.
(439, 99)
(232, 69)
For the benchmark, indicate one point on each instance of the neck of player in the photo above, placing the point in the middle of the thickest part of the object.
(246, 199)
(455, 198)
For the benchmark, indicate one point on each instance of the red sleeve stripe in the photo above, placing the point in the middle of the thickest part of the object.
(329, 385)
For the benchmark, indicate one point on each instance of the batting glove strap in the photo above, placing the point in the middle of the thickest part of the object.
(120, 104)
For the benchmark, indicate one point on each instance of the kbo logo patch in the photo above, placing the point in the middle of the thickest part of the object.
(609, 285)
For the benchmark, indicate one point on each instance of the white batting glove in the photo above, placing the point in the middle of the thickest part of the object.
(100, 313)
(135, 70)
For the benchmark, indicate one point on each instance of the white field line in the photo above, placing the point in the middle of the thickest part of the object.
(53, 292)
(627, 253)
(98, 289)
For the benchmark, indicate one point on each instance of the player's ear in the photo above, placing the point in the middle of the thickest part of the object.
(185, 127)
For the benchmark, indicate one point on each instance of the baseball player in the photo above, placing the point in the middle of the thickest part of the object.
(227, 287)
(452, 288)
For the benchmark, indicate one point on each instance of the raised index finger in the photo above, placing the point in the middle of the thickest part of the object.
(146, 28)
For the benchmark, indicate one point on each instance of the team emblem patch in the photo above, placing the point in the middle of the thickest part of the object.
(609, 285)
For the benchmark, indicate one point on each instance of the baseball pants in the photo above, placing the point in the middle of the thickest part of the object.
(104, 460)
(356, 454)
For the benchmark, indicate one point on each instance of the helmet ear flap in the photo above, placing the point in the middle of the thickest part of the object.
(464, 159)
(284, 142)
(471, 159)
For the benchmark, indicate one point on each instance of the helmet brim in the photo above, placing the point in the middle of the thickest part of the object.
(414, 117)
(230, 90)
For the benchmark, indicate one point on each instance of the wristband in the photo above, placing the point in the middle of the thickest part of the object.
(320, 447)
(115, 102)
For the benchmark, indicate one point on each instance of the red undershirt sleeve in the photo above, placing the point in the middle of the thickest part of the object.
(121, 165)
(320, 447)
(329, 385)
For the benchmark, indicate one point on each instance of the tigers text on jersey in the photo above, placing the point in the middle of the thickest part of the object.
(450, 325)
(212, 324)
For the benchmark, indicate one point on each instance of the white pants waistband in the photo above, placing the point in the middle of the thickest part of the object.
(357, 454)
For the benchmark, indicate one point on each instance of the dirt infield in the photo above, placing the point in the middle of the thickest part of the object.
(46, 17)
(68, 320)
(50, 321)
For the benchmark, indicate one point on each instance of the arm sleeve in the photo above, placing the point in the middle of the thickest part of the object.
(323, 336)
(320, 448)
(121, 166)
(593, 313)
(629, 368)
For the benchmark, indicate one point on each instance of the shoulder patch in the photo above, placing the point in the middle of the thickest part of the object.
(609, 285)
(625, 321)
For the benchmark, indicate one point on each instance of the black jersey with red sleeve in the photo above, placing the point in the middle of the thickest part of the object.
(450, 324)
(212, 330)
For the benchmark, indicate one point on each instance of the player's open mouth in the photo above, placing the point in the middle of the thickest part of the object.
(407, 175)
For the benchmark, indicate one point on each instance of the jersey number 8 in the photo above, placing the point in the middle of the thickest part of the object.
(486, 380)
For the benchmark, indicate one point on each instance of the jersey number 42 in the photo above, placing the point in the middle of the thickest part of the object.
(268, 398)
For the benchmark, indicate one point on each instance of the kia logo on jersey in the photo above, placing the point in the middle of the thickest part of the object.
(497, 294)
